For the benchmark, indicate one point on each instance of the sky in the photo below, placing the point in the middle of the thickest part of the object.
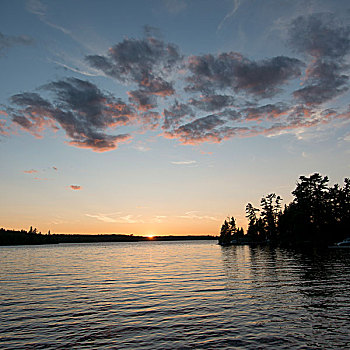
(163, 117)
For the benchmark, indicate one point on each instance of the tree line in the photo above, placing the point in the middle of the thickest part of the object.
(35, 237)
(318, 214)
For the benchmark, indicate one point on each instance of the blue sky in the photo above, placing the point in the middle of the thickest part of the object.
(164, 117)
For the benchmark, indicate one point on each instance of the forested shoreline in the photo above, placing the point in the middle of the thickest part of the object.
(34, 237)
(318, 215)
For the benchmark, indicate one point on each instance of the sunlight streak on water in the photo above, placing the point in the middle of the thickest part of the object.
(172, 295)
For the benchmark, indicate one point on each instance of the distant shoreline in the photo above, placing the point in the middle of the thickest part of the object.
(13, 237)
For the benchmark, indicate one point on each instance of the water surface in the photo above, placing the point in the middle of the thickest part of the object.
(173, 295)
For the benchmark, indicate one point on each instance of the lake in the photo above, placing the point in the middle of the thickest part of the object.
(173, 295)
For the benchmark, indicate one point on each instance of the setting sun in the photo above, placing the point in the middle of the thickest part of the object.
(217, 129)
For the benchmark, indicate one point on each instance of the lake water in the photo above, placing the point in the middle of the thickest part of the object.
(173, 295)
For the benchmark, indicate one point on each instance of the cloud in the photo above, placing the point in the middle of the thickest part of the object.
(320, 35)
(269, 111)
(158, 219)
(3, 128)
(192, 215)
(175, 6)
(8, 41)
(32, 171)
(325, 81)
(326, 41)
(346, 137)
(176, 114)
(184, 162)
(121, 218)
(40, 179)
(102, 217)
(212, 103)
(268, 120)
(79, 108)
(205, 98)
(234, 71)
(209, 128)
(39, 9)
(150, 120)
(142, 148)
(75, 187)
(148, 62)
(142, 100)
(236, 5)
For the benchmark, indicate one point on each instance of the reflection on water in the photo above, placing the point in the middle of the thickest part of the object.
(173, 295)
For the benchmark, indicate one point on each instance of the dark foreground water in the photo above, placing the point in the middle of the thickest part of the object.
(173, 295)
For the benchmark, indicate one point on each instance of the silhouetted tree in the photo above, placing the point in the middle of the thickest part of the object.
(230, 233)
(318, 213)
(225, 234)
(271, 209)
(252, 231)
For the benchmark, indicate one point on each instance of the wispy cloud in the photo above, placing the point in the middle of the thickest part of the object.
(118, 217)
(236, 5)
(141, 147)
(39, 9)
(346, 137)
(158, 219)
(32, 171)
(193, 215)
(101, 217)
(8, 41)
(175, 6)
(87, 71)
(184, 162)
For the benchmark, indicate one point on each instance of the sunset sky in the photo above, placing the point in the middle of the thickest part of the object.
(165, 116)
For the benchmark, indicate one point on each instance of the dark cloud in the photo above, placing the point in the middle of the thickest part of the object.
(142, 100)
(200, 130)
(268, 112)
(147, 62)
(211, 103)
(176, 114)
(30, 99)
(320, 35)
(79, 108)
(3, 128)
(157, 86)
(271, 120)
(7, 41)
(23, 122)
(232, 70)
(226, 91)
(150, 120)
(325, 81)
(321, 92)
(327, 42)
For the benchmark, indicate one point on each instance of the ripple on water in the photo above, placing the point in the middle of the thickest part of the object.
(173, 295)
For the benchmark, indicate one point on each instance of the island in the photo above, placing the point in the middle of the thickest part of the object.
(318, 215)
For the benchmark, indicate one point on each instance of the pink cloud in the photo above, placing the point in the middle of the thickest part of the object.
(32, 171)
(75, 187)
